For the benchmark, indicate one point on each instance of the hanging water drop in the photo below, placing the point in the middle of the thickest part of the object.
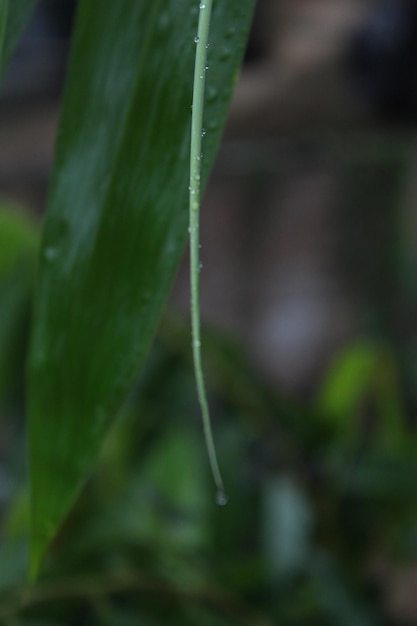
(196, 39)
(221, 497)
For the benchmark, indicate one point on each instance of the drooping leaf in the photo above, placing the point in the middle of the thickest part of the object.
(116, 224)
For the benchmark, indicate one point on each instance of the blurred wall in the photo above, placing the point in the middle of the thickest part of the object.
(288, 225)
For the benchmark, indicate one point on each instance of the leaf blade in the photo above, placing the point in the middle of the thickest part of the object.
(115, 229)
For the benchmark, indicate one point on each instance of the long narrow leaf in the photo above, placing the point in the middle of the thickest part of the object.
(18, 247)
(116, 224)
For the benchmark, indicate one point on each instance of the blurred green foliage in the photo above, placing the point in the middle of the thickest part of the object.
(323, 507)
(320, 491)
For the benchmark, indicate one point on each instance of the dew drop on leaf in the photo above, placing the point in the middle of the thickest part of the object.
(50, 253)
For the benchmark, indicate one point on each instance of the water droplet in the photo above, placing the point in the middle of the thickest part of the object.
(164, 22)
(200, 266)
(206, 67)
(201, 76)
(221, 497)
(50, 253)
(207, 46)
(196, 39)
(202, 5)
(203, 132)
(212, 94)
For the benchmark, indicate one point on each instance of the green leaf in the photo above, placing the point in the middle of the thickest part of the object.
(116, 224)
(346, 383)
(13, 18)
(364, 376)
(18, 238)
(18, 245)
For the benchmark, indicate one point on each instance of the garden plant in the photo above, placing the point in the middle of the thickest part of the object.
(110, 513)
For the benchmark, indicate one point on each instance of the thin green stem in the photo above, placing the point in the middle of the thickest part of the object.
(201, 42)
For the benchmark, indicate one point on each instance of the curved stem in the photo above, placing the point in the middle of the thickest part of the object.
(195, 176)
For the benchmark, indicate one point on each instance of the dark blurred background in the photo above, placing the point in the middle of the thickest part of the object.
(309, 298)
